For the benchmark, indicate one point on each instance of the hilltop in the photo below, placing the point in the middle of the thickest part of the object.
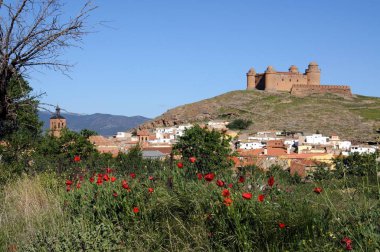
(353, 118)
(104, 124)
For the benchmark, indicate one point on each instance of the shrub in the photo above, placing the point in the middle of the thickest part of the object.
(239, 124)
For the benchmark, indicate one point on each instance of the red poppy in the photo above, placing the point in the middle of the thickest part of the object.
(230, 185)
(76, 158)
(180, 165)
(347, 241)
(113, 179)
(68, 188)
(271, 181)
(92, 179)
(192, 159)
(200, 176)
(281, 225)
(241, 179)
(318, 190)
(99, 181)
(150, 190)
(136, 210)
(81, 178)
(220, 183)
(133, 175)
(209, 177)
(69, 182)
(261, 197)
(125, 185)
(226, 193)
(78, 185)
(108, 170)
(106, 177)
(227, 201)
(151, 178)
(115, 194)
(247, 196)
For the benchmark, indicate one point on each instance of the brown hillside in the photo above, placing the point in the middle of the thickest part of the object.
(355, 118)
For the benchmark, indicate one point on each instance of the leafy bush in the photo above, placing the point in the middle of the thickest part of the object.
(239, 124)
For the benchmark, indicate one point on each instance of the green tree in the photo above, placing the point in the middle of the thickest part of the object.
(239, 124)
(210, 148)
(87, 133)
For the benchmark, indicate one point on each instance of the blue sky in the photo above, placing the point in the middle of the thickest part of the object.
(151, 55)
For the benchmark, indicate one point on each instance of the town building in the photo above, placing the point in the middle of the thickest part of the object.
(57, 123)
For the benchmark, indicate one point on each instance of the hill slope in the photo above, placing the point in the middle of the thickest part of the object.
(104, 124)
(353, 118)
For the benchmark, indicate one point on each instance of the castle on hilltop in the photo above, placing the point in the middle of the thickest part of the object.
(294, 82)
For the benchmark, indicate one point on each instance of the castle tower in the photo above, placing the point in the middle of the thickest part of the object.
(57, 123)
(270, 78)
(251, 85)
(313, 74)
(293, 69)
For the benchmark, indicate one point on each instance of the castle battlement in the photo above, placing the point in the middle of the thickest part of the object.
(293, 81)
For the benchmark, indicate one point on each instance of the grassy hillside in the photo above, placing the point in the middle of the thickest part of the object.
(355, 118)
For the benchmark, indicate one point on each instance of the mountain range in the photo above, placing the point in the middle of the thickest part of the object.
(103, 124)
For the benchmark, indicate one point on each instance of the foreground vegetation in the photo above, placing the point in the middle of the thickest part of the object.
(156, 205)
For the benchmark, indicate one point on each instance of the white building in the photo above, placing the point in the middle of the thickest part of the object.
(317, 139)
(344, 145)
(362, 149)
(251, 145)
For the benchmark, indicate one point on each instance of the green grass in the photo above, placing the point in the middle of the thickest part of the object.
(187, 214)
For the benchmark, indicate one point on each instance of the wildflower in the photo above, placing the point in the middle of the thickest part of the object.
(230, 185)
(180, 165)
(226, 193)
(192, 159)
(227, 201)
(125, 185)
(150, 190)
(113, 179)
(76, 158)
(281, 225)
(200, 176)
(99, 181)
(81, 178)
(136, 210)
(151, 178)
(68, 188)
(241, 179)
(115, 194)
(220, 183)
(261, 197)
(92, 179)
(209, 177)
(247, 196)
(271, 181)
(69, 182)
(348, 242)
(108, 170)
(106, 177)
(78, 185)
(318, 190)
(133, 175)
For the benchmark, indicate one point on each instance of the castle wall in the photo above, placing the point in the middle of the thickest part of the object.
(304, 90)
(285, 81)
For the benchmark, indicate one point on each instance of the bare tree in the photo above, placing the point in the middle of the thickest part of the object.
(33, 33)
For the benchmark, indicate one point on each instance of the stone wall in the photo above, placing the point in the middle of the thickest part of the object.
(304, 90)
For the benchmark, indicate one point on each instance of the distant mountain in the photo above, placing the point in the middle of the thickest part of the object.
(352, 118)
(104, 124)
